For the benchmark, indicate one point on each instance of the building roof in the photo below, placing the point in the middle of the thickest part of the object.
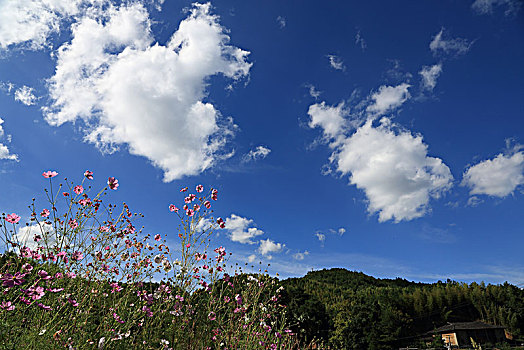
(466, 326)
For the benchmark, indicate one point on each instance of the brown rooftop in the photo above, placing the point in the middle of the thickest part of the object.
(465, 326)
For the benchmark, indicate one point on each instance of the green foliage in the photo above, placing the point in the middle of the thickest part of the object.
(369, 313)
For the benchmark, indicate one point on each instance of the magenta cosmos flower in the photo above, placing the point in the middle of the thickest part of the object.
(49, 174)
(12, 218)
(78, 189)
(89, 175)
(113, 183)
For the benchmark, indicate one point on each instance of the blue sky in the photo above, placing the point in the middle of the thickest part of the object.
(376, 136)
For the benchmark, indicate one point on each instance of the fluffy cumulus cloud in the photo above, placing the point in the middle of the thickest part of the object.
(239, 230)
(25, 95)
(4, 150)
(496, 177)
(260, 152)
(268, 247)
(329, 118)
(148, 97)
(486, 6)
(30, 22)
(429, 76)
(336, 62)
(389, 164)
(393, 169)
(388, 98)
(26, 236)
(454, 46)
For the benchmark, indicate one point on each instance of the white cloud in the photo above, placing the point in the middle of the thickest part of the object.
(393, 169)
(388, 98)
(281, 22)
(25, 95)
(260, 152)
(300, 256)
(473, 201)
(26, 236)
(496, 177)
(359, 40)
(457, 46)
(429, 76)
(313, 92)
(31, 22)
(4, 150)
(336, 62)
(341, 231)
(486, 6)
(240, 231)
(148, 97)
(268, 246)
(329, 118)
(251, 258)
(321, 237)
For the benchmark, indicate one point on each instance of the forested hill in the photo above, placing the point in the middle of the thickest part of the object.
(351, 310)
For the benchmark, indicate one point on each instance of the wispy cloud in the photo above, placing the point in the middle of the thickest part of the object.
(4, 150)
(485, 7)
(336, 62)
(359, 41)
(449, 46)
(281, 22)
(260, 152)
(429, 76)
(300, 256)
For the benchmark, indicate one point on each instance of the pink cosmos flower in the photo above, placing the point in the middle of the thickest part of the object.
(88, 174)
(7, 305)
(27, 267)
(44, 213)
(113, 183)
(221, 223)
(49, 174)
(172, 207)
(78, 189)
(66, 194)
(200, 188)
(12, 218)
(196, 207)
(10, 281)
(190, 212)
(72, 302)
(73, 224)
(212, 316)
(158, 237)
(44, 275)
(188, 245)
(77, 256)
(207, 204)
(183, 189)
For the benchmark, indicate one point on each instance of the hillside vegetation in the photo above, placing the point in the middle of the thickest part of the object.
(351, 310)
